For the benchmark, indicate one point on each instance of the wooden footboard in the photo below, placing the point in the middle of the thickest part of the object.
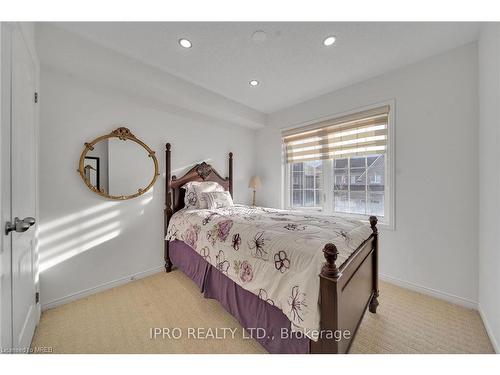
(345, 294)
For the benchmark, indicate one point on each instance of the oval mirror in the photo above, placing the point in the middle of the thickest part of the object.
(118, 165)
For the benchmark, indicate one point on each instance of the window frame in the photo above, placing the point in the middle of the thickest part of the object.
(388, 221)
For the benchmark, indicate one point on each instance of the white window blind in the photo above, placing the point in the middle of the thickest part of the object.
(363, 133)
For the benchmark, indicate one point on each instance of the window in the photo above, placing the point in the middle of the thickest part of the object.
(306, 183)
(364, 194)
(342, 166)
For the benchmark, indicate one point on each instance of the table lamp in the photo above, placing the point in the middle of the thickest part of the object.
(254, 184)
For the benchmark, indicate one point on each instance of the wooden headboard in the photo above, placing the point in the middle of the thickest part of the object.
(174, 194)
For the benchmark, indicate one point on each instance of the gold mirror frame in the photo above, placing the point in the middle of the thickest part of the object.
(123, 134)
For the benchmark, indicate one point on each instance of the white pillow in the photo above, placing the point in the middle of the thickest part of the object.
(218, 199)
(206, 187)
(194, 190)
(190, 198)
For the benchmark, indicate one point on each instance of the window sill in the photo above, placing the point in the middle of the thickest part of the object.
(318, 209)
(380, 225)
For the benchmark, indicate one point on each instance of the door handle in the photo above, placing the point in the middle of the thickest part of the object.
(29, 220)
(19, 225)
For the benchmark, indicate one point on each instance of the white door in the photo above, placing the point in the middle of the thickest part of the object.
(23, 191)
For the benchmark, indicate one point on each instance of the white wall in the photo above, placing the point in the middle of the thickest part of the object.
(87, 241)
(434, 245)
(489, 175)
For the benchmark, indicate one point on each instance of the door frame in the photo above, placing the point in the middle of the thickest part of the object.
(27, 31)
(5, 187)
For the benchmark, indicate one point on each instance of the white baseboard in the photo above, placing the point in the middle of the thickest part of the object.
(489, 330)
(100, 288)
(431, 292)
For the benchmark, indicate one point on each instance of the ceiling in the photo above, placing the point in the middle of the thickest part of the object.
(292, 65)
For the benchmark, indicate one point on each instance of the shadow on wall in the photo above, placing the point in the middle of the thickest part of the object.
(73, 234)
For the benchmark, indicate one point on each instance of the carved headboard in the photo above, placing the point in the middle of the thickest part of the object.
(174, 194)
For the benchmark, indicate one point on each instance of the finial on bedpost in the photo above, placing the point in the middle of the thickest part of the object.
(168, 146)
(373, 224)
(330, 268)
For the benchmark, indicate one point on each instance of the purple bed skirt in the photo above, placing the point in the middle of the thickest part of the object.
(252, 312)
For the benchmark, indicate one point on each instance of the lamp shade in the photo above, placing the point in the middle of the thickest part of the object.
(255, 182)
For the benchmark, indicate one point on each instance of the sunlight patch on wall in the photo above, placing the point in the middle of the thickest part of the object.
(75, 216)
(48, 237)
(74, 241)
(145, 201)
(75, 251)
(73, 234)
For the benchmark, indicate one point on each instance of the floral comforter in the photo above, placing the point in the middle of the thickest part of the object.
(275, 254)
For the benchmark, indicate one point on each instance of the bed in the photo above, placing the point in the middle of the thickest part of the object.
(297, 282)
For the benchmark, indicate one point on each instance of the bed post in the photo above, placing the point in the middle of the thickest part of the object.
(168, 205)
(374, 301)
(330, 269)
(231, 174)
(329, 294)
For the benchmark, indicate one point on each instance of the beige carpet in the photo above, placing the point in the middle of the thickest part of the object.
(119, 321)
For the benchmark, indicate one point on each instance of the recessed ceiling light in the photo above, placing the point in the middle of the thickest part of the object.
(185, 43)
(253, 83)
(259, 36)
(330, 40)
